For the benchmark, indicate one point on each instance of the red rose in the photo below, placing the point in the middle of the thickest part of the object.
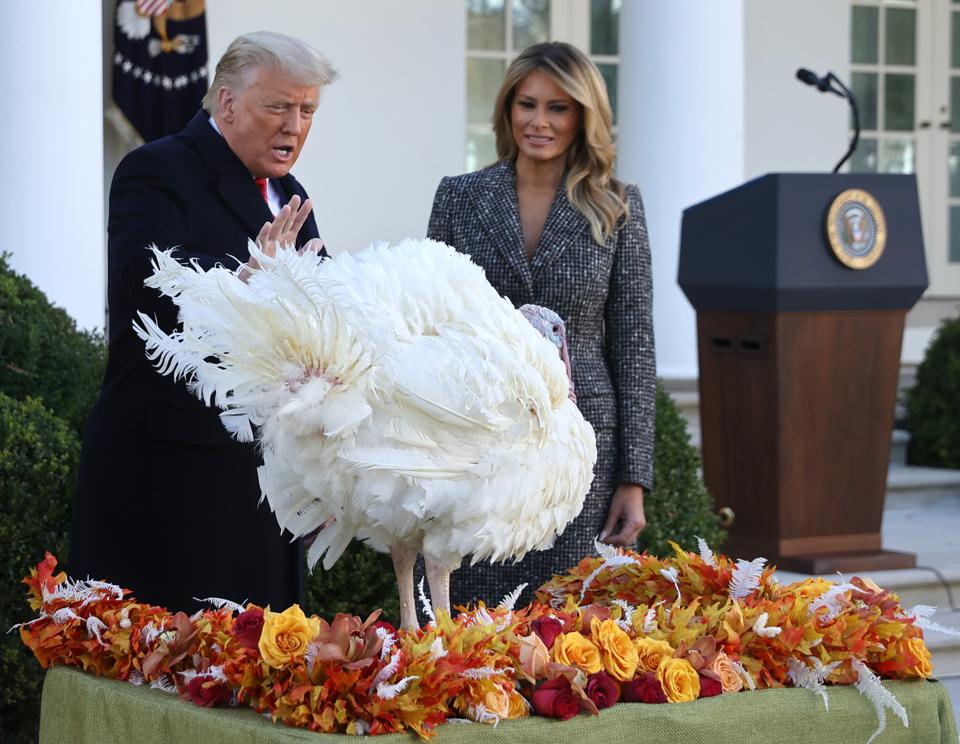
(246, 628)
(555, 699)
(709, 686)
(548, 628)
(602, 689)
(206, 692)
(644, 689)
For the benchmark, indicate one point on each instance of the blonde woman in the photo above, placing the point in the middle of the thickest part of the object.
(551, 226)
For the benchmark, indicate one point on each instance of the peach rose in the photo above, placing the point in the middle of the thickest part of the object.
(620, 657)
(285, 635)
(576, 650)
(722, 669)
(651, 652)
(534, 656)
(679, 680)
(497, 701)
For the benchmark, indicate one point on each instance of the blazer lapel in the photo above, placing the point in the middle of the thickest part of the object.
(234, 182)
(496, 205)
(564, 225)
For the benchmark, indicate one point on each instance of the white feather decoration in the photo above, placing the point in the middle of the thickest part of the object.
(388, 671)
(706, 554)
(868, 684)
(612, 557)
(136, 678)
(746, 577)
(650, 619)
(486, 672)
(672, 574)
(626, 622)
(96, 627)
(761, 629)
(833, 599)
(164, 684)
(480, 714)
(64, 614)
(425, 603)
(921, 615)
(744, 674)
(437, 651)
(388, 640)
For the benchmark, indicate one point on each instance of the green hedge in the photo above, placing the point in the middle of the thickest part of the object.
(43, 354)
(933, 403)
(38, 459)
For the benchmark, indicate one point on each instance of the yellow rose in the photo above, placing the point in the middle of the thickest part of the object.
(918, 649)
(650, 653)
(722, 667)
(519, 707)
(619, 655)
(679, 680)
(285, 635)
(574, 649)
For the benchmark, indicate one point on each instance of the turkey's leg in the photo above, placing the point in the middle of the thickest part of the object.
(438, 576)
(404, 559)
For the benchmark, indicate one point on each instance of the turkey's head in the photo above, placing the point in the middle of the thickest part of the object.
(551, 327)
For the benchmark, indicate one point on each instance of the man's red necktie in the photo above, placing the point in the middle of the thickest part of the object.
(262, 185)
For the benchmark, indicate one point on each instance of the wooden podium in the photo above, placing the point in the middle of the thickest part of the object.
(799, 359)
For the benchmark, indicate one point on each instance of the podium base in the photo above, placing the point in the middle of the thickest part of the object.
(854, 561)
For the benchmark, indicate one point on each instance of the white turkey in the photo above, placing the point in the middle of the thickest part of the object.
(396, 397)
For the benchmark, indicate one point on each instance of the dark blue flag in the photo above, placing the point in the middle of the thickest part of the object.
(159, 63)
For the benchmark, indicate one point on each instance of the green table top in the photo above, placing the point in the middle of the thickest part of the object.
(79, 707)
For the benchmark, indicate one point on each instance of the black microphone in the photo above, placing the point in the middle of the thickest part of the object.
(825, 84)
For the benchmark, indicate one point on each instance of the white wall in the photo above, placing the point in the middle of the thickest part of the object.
(391, 125)
(790, 126)
(51, 201)
(682, 104)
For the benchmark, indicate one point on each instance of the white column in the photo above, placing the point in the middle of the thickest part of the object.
(52, 151)
(681, 136)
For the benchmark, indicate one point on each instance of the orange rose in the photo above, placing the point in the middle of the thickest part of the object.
(918, 650)
(497, 701)
(519, 707)
(575, 649)
(722, 669)
(285, 635)
(619, 655)
(679, 680)
(651, 652)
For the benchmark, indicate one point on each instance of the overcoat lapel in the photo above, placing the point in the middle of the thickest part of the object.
(496, 205)
(564, 225)
(233, 181)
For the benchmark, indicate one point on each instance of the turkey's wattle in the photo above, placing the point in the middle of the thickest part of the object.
(392, 390)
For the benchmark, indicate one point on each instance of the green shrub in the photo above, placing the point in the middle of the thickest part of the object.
(933, 404)
(679, 508)
(38, 460)
(43, 354)
(360, 582)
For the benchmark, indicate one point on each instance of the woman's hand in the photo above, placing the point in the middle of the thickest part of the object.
(282, 231)
(626, 510)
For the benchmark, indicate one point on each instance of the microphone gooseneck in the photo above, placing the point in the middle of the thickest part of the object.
(825, 84)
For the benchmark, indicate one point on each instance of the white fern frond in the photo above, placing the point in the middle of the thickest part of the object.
(832, 599)
(921, 610)
(746, 577)
(672, 574)
(626, 622)
(482, 617)
(868, 684)
(106, 586)
(425, 603)
(606, 551)
(163, 683)
(388, 640)
(220, 603)
(388, 671)
(43, 616)
(706, 554)
(486, 672)
(650, 618)
(612, 558)
(811, 677)
(744, 674)
(389, 692)
(922, 614)
(510, 600)
(96, 627)
(136, 678)
(480, 714)
(64, 614)
(214, 672)
(149, 633)
(761, 629)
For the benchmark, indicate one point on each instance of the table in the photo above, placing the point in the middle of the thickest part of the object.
(79, 707)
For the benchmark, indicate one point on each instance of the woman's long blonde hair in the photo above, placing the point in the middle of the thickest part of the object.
(591, 187)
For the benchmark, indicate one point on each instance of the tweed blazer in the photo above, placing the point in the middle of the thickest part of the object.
(602, 292)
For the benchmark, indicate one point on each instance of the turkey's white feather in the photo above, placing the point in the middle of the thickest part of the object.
(391, 389)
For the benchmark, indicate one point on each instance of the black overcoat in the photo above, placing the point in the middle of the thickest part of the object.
(166, 503)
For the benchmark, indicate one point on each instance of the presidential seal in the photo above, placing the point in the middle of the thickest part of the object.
(856, 229)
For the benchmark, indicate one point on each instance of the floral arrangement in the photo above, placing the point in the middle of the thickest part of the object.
(619, 627)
